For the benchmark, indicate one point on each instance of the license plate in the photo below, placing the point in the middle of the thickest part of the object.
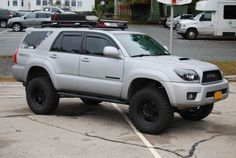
(218, 95)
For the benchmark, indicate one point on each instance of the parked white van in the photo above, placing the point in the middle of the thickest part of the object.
(218, 18)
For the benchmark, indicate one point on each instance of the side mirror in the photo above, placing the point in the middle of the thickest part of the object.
(111, 52)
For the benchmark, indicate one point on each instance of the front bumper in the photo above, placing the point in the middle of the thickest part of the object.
(177, 93)
(180, 30)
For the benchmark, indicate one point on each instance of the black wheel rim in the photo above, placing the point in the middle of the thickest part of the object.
(39, 96)
(148, 111)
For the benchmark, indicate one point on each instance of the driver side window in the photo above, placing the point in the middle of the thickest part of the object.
(206, 17)
(96, 44)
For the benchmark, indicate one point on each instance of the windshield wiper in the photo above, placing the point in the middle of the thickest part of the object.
(141, 55)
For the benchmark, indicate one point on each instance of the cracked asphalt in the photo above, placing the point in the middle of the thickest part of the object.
(78, 130)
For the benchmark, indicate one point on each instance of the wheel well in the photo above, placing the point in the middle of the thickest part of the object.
(192, 28)
(141, 83)
(36, 71)
(17, 23)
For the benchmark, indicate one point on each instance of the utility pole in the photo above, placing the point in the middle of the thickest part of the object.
(171, 28)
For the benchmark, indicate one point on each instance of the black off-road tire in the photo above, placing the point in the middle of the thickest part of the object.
(90, 101)
(162, 112)
(198, 113)
(41, 96)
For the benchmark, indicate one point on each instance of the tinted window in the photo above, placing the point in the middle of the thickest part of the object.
(41, 15)
(31, 16)
(67, 3)
(68, 42)
(55, 10)
(95, 45)
(33, 39)
(73, 3)
(14, 2)
(48, 15)
(206, 17)
(230, 12)
(38, 2)
(141, 45)
(45, 2)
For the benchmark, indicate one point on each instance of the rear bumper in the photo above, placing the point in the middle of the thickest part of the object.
(177, 93)
(18, 72)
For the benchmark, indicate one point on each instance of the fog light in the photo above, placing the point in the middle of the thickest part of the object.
(191, 95)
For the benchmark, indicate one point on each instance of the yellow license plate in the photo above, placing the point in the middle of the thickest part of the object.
(218, 95)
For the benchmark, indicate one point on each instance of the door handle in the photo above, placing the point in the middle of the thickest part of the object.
(54, 56)
(85, 59)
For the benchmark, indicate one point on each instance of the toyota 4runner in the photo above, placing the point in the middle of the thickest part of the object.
(116, 66)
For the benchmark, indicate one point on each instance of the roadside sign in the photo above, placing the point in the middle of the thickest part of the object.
(175, 2)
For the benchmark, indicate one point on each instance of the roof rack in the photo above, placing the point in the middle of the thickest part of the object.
(78, 21)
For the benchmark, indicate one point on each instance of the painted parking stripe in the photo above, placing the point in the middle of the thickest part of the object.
(11, 96)
(140, 135)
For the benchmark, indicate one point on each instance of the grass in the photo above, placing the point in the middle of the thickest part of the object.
(7, 79)
(228, 67)
(6, 57)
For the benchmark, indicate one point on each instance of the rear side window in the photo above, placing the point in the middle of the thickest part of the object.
(41, 15)
(68, 42)
(34, 39)
(48, 15)
(230, 12)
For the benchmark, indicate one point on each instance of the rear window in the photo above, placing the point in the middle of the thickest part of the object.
(34, 39)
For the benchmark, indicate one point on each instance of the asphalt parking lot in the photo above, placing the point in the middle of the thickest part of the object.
(79, 130)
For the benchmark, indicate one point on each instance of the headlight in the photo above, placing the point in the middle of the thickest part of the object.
(187, 75)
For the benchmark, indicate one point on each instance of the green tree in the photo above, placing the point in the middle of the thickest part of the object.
(191, 7)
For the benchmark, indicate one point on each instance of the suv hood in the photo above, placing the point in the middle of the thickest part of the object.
(186, 21)
(167, 64)
(15, 19)
(178, 62)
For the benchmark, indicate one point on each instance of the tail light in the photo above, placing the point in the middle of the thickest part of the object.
(15, 56)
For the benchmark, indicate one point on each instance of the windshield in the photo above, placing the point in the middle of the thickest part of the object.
(197, 16)
(138, 45)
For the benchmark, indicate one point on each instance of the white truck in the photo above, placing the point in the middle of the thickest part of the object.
(217, 18)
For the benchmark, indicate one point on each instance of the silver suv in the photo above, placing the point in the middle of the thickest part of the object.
(116, 66)
(32, 19)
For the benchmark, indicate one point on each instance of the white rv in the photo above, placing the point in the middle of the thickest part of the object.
(217, 18)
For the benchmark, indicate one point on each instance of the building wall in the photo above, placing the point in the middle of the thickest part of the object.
(75, 5)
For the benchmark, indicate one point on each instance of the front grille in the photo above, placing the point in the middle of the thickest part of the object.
(211, 94)
(211, 76)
